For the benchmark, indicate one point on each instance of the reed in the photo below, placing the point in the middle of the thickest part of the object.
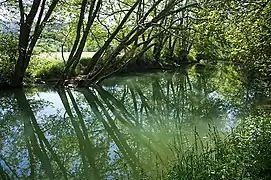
(244, 153)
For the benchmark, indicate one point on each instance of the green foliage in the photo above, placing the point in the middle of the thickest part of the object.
(244, 154)
(45, 68)
(8, 55)
(8, 48)
(84, 61)
(82, 65)
(251, 41)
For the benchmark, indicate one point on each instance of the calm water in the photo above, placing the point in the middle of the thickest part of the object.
(129, 128)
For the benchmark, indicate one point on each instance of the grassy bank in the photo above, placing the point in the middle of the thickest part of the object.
(48, 66)
(244, 153)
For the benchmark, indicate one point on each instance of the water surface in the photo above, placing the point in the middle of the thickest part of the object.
(131, 127)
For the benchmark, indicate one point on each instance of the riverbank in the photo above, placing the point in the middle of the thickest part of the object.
(46, 68)
(48, 71)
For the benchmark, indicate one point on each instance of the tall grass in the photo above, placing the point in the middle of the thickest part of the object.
(245, 153)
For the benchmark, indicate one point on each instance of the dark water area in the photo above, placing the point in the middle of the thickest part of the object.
(130, 127)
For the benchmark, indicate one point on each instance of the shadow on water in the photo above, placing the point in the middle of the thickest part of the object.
(132, 129)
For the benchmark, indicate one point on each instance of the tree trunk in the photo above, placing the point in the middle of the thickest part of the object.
(17, 77)
(27, 41)
(95, 59)
(92, 15)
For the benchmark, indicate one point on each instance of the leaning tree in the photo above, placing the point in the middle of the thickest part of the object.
(33, 18)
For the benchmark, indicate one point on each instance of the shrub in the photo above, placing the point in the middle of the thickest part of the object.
(82, 65)
(45, 68)
(84, 61)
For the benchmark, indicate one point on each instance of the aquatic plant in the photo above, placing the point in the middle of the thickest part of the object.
(244, 153)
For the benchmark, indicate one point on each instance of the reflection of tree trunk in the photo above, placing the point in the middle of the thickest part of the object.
(111, 128)
(33, 132)
(3, 174)
(105, 96)
(160, 101)
(135, 107)
(30, 154)
(79, 115)
(86, 149)
(113, 104)
(28, 116)
(142, 104)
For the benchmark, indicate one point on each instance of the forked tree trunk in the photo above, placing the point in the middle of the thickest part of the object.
(27, 41)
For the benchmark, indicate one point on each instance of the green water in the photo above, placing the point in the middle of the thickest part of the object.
(129, 128)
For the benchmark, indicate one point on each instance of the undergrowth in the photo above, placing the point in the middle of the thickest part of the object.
(45, 68)
(244, 153)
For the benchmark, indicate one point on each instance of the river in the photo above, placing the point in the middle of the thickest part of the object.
(130, 127)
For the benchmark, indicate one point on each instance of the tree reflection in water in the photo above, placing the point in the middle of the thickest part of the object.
(132, 129)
